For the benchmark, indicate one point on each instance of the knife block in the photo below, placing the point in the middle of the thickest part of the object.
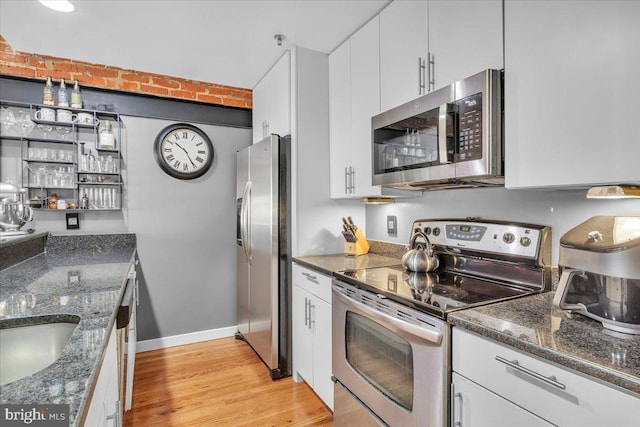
(359, 247)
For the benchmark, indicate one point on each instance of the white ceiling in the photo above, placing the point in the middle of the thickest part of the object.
(220, 41)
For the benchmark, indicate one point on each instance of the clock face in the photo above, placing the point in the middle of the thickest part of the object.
(183, 151)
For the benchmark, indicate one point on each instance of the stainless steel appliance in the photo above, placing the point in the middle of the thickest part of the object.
(126, 333)
(600, 261)
(14, 213)
(263, 251)
(390, 338)
(448, 138)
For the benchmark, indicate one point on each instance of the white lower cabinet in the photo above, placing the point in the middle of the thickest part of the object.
(105, 409)
(475, 406)
(496, 385)
(311, 324)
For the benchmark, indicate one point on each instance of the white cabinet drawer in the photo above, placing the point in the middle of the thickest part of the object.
(556, 394)
(475, 406)
(310, 280)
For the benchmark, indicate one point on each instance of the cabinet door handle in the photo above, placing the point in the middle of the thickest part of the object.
(346, 181)
(432, 71)
(311, 321)
(310, 276)
(306, 312)
(514, 364)
(456, 396)
(115, 416)
(353, 180)
(421, 79)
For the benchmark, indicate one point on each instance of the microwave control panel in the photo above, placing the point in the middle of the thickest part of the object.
(469, 128)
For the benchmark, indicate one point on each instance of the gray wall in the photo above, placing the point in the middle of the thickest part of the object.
(185, 232)
(560, 209)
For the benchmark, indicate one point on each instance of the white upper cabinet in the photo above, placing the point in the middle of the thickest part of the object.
(571, 85)
(354, 96)
(365, 102)
(272, 100)
(340, 119)
(465, 37)
(403, 44)
(426, 45)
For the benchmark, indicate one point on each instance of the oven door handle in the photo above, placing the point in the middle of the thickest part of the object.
(432, 337)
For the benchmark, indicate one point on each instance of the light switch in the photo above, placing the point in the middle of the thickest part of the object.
(392, 225)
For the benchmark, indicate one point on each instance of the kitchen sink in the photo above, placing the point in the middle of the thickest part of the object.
(27, 349)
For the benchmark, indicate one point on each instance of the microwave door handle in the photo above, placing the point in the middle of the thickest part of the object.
(446, 130)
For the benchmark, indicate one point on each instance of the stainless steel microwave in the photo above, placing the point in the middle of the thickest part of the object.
(448, 138)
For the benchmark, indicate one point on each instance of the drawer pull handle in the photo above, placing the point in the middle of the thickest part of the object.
(310, 276)
(516, 365)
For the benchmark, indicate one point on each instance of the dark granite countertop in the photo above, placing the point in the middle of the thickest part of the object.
(531, 324)
(327, 264)
(79, 278)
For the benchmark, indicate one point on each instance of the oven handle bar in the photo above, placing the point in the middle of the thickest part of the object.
(425, 334)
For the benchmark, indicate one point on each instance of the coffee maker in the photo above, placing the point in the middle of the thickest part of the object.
(600, 264)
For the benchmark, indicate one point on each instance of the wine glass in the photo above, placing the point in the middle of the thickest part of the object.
(25, 121)
(7, 119)
(63, 131)
(45, 129)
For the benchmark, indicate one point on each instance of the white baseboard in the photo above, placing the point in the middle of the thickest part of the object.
(190, 338)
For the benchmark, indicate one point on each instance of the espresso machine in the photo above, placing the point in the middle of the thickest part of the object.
(600, 264)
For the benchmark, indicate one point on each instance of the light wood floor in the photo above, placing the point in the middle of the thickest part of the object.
(217, 383)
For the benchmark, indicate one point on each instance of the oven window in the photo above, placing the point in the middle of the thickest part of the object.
(380, 356)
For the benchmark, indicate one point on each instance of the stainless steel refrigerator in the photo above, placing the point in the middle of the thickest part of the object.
(263, 239)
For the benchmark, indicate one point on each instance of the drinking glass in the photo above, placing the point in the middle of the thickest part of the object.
(25, 122)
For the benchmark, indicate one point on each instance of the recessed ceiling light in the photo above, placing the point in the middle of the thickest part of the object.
(59, 5)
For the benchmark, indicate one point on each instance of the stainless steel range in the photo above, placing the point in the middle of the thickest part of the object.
(390, 337)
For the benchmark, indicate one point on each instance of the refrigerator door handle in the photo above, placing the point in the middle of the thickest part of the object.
(245, 216)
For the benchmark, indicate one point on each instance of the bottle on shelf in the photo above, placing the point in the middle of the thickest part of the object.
(47, 93)
(106, 140)
(76, 96)
(84, 203)
(63, 95)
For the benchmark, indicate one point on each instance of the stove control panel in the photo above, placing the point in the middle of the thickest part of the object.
(498, 238)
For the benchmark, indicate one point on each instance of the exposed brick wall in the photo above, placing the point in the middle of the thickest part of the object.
(32, 65)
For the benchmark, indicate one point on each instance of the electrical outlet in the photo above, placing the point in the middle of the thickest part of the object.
(392, 225)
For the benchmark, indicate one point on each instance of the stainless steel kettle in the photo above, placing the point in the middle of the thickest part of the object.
(420, 257)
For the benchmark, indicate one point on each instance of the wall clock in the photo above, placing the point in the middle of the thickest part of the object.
(183, 151)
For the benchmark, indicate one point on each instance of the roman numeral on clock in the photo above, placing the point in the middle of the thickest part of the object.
(170, 158)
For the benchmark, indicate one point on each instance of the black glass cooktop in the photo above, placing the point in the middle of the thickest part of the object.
(437, 293)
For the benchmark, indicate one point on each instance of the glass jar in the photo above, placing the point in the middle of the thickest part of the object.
(106, 139)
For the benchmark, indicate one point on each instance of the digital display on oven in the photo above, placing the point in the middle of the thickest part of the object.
(466, 232)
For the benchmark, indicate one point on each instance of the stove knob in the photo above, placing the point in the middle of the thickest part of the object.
(508, 238)
(416, 230)
(427, 230)
(436, 231)
(525, 241)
